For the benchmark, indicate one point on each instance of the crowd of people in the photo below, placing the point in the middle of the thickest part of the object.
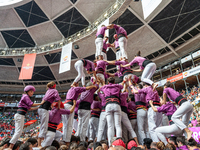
(125, 115)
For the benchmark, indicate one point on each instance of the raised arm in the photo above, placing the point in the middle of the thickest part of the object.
(127, 65)
(137, 70)
(152, 106)
(73, 107)
(90, 87)
(131, 86)
(164, 97)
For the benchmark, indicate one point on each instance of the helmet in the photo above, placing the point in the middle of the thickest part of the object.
(28, 88)
(115, 36)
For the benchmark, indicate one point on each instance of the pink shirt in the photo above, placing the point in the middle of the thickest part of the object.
(105, 46)
(120, 30)
(132, 106)
(103, 98)
(101, 64)
(89, 66)
(140, 97)
(95, 105)
(51, 95)
(101, 31)
(171, 93)
(121, 69)
(123, 99)
(138, 60)
(56, 114)
(74, 92)
(150, 94)
(168, 108)
(112, 89)
(194, 122)
(25, 102)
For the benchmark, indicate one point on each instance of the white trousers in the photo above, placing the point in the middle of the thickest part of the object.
(19, 125)
(118, 55)
(58, 136)
(44, 119)
(99, 46)
(165, 120)
(165, 131)
(81, 75)
(83, 122)
(123, 44)
(142, 124)
(113, 117)
(67, 124)
(48, 139)
(126, 122)
(93, 128)
(104, 56)
(102, 127)
(154, 121)
(184, 111)
(75, 125)
(148, 73)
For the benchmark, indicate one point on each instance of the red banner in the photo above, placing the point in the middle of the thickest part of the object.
(2, 104)
(175, 78)
(30, 122)
(27, 66)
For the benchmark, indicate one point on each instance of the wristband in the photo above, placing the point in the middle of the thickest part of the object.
(124, 81)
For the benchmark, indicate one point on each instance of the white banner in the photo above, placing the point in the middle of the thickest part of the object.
(191, 72)
(65, 59)
(148, 6)
(196, 54)
(185, 59)
(106, 23)
(161, 82)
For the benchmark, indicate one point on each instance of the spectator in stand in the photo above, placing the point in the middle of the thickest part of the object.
(194, 121)
(17, 145)
(180, 140)
(198, 122)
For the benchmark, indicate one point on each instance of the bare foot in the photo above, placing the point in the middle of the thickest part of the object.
(154, 85)
(189, 134)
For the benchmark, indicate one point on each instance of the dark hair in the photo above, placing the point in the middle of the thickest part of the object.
(147, 142)
(138, 53)
(84, 144)
(81, 148)
(153, 144)
(111, 80)
(51, 148)
(104, 142)
(73, 138)
(25, 146)
(173, 139)
(160, 145)
(32, 140)
(140, 86)
(132, 97)
(192, 142)
(102, 25)
(96, 144)
(90, 145)
(5, 140)
(170, 146)
(168, 84)
(94, 96)
(56, 144)
(78, 139)
(133, 148)
(73, 146)
(17, 144)
(181, 139)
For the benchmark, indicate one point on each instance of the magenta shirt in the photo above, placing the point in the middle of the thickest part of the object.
(103, 98)
(101, 31)
(120, 30)
(121, 69)
(95, 105)
(25, 102)
(87, 96)
(111, 89)
(119, 74)
(74, 92)
(116, 43)
(56, 114)
(76, 107)
(171, 93)
(132, 106)
(150, 94)
(140, 97)
(105, 46)
(123, 99)
(168, 109)
(138, 60)
(135, 78)
(101, 64)
(194, 122)
(89, 66)
(51, 95)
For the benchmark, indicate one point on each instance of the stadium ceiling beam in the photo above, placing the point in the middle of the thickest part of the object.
(154, 32)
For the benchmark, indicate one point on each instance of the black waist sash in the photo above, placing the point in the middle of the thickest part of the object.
(100, 36)
(127, 71)
(100, 70)
(95, 115)
(170, 120)
(46, 105)
(155, 103)
(140, 105)
(52, 126)
(117, 49)
(84, 105)
(103, 108)
(146, 62)
(84, 62)
(104, 50)
(22, 110)
(112, 99)
(180, 100)
(132, 116)
(75, 115)
(120, 35)
(124, 109)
